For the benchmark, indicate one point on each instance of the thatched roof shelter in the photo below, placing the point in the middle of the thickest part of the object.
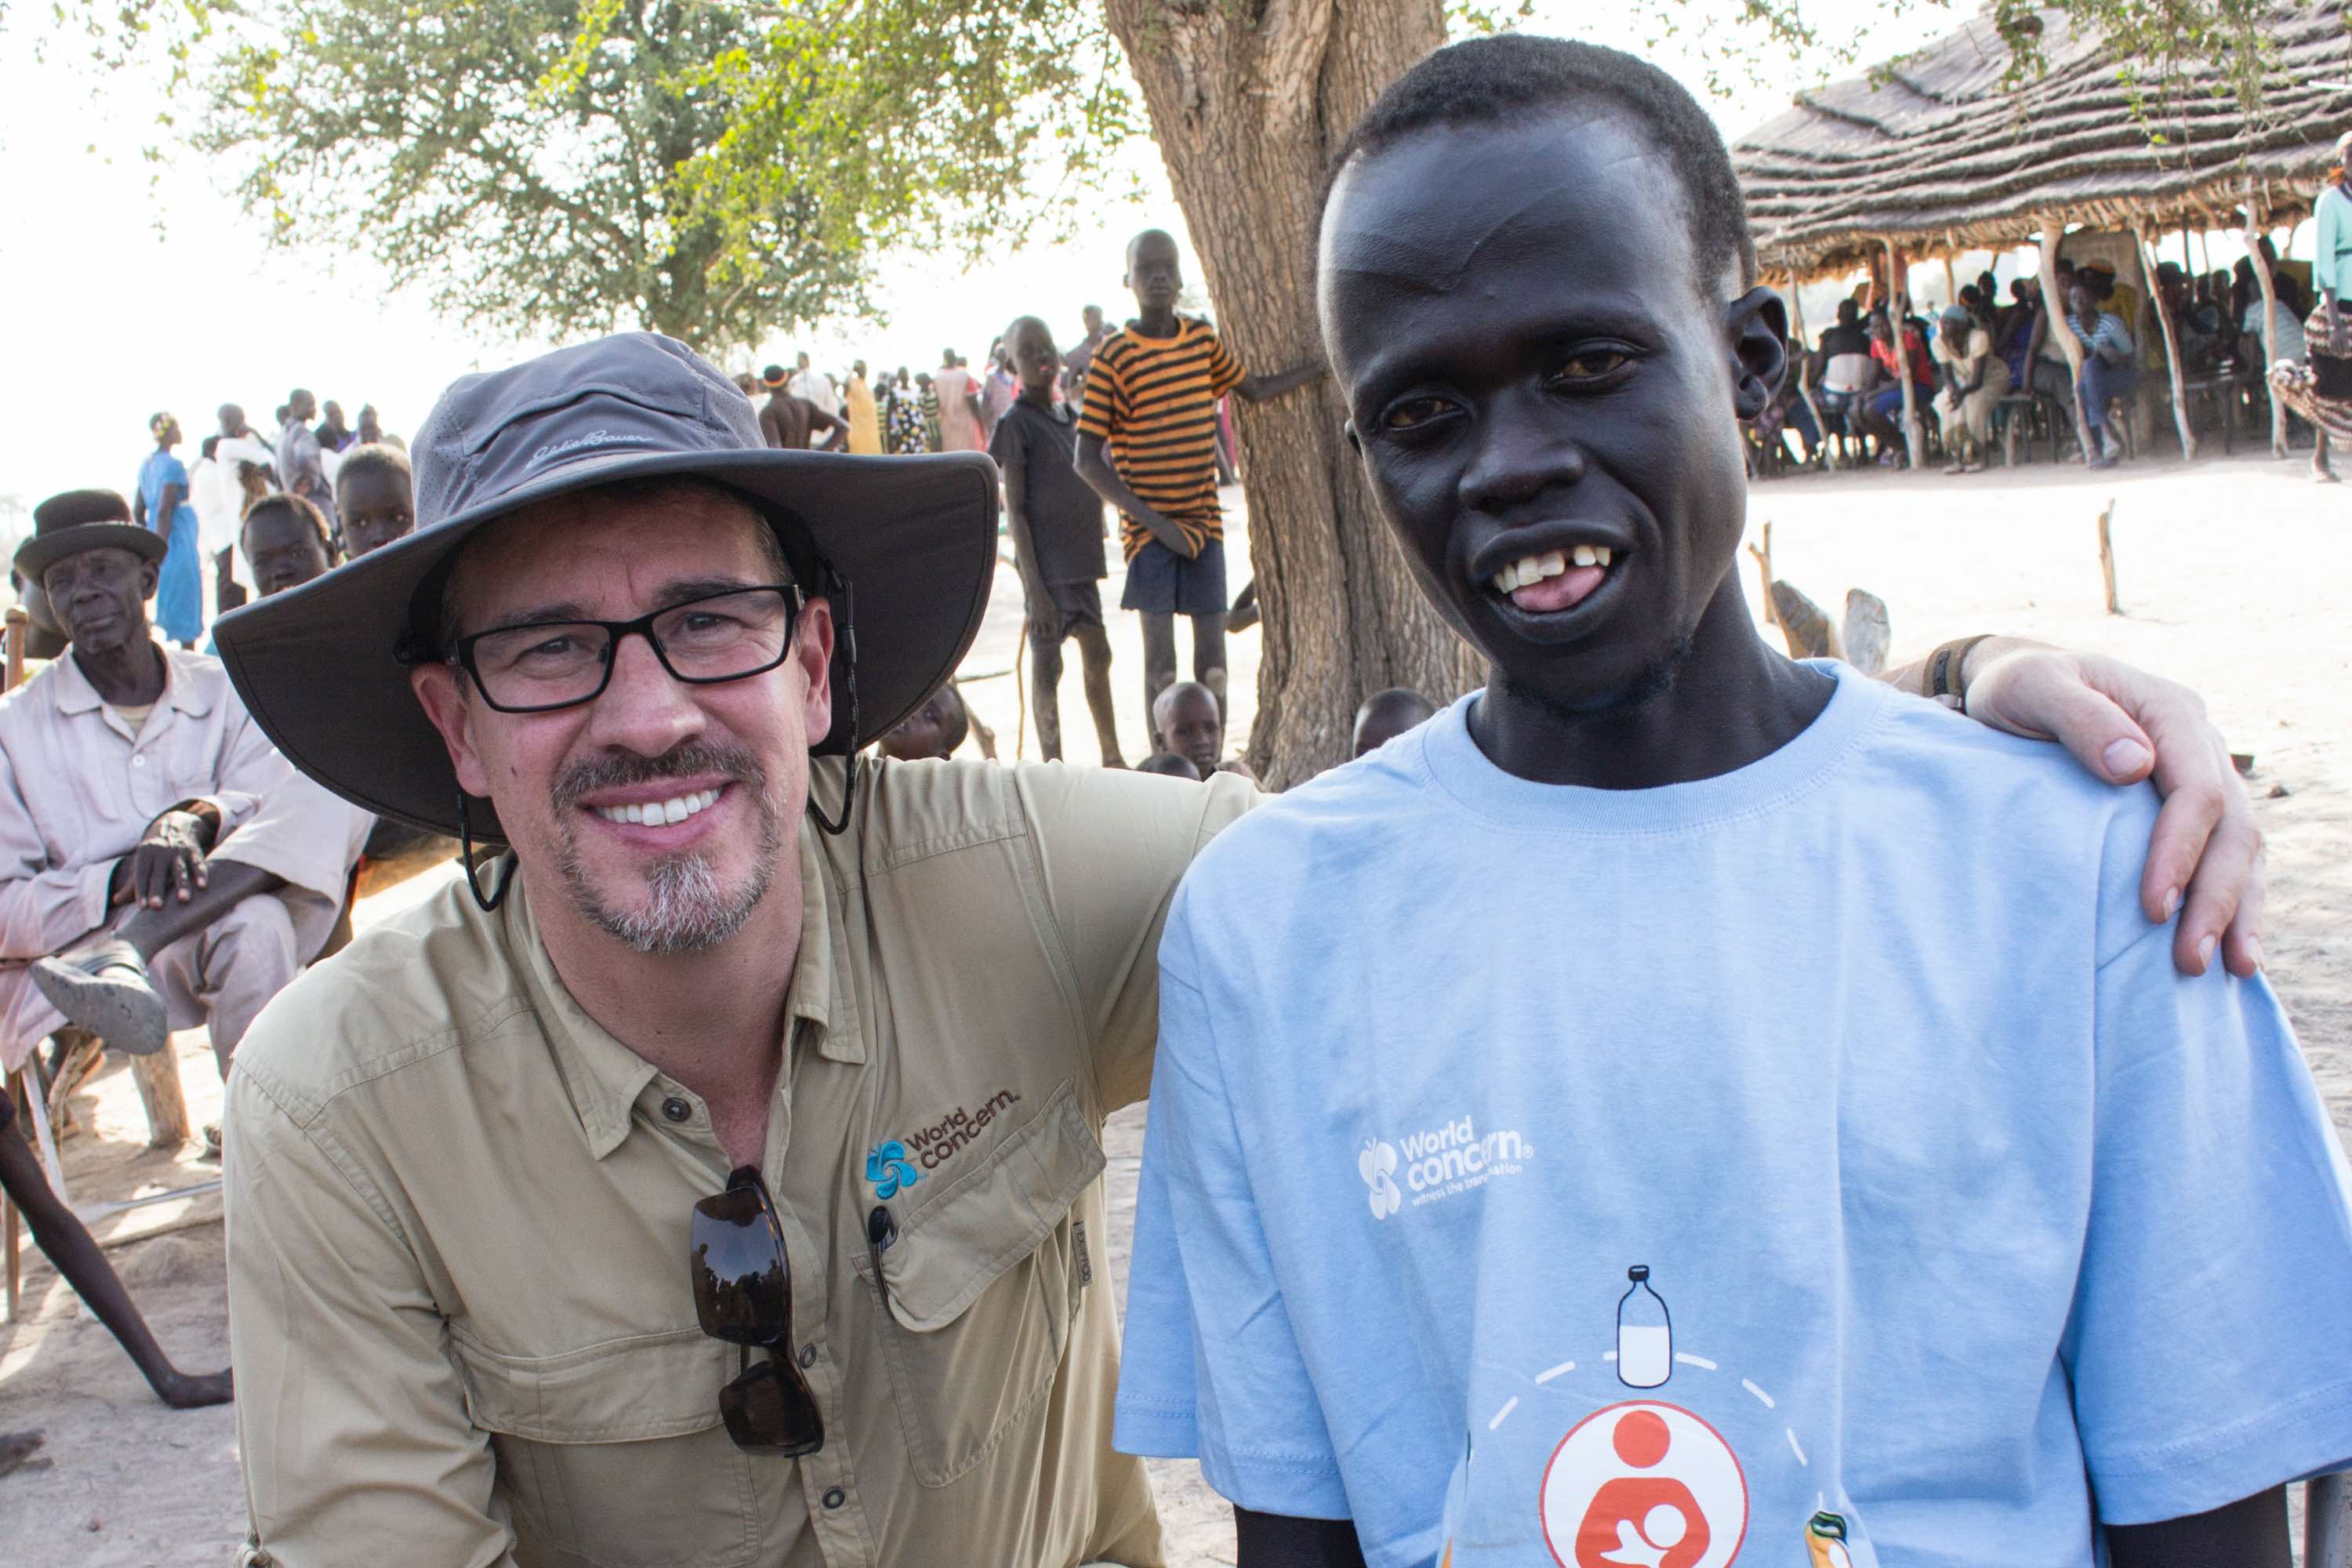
(1937, 153)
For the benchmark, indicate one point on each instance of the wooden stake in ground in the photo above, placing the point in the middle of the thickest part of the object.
(1897, 300)
(1808, 631)
(2269, 316)
(1867, 633)
(2060, 329)
(2107, 558)
(158, 1078)
(1764, 571)
(1021, 696)
(2172, 349)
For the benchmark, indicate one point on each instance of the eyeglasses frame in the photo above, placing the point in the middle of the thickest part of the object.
(795, 601)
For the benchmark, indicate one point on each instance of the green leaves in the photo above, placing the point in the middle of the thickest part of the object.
(718, 172)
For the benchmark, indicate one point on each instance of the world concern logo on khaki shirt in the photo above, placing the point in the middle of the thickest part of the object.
(897, 1163)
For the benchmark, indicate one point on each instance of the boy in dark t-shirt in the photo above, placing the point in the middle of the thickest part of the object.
(1057, 531)
(1148, 445)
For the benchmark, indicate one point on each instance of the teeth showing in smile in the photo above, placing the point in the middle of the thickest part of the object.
(1530, 569)
(655, 813)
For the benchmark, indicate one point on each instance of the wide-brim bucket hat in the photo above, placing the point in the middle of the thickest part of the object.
(904, 547)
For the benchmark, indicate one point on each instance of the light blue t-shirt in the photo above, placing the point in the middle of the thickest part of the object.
(1821, 1163)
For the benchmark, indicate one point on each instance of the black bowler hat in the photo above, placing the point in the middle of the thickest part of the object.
(905, 548)
(77, 521)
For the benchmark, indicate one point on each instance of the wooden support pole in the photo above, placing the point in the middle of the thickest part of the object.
(1913, 438)
(2059, 329)
(1764, 570)
(2107, 557)
(2171, 348)
(12, 1223)
(1951, 282)
(2270, 317)
(1805, 375)
(158, 1078)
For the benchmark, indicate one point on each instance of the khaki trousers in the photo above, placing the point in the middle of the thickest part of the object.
(220, 977)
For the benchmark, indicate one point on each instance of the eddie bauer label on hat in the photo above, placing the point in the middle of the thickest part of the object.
(593, 439)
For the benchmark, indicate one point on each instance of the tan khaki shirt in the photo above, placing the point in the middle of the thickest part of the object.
(457, 1214)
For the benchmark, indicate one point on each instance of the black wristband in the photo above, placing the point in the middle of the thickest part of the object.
(1947, 668)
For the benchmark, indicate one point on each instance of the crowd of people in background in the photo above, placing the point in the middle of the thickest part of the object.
(1994, 356)
(1136, 418)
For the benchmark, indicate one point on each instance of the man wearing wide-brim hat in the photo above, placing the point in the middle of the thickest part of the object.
(160, 866)
(713, 1179)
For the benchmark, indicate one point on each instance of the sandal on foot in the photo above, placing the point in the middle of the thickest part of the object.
(104, 989)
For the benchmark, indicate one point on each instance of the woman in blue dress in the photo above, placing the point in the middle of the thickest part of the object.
(162, 505)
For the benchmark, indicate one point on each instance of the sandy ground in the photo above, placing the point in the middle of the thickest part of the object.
(2230, 576)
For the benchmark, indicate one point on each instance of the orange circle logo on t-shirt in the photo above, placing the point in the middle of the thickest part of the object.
(1643, 1485)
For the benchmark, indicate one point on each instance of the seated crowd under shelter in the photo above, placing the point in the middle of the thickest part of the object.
(1988, 360)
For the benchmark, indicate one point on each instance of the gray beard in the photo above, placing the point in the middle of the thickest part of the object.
(687, 909)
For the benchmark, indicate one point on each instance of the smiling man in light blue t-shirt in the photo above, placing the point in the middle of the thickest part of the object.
(1680, 1107)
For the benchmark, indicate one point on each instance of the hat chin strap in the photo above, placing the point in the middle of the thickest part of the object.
(839, 587)
(849, 769)
(498, 894)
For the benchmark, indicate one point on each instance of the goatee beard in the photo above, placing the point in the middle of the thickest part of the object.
(687, 908)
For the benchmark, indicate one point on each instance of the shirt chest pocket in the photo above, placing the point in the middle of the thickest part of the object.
(615, 1454)
(979, 1290)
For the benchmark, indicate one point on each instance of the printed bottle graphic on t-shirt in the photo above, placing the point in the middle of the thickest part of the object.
(1646, 1335)
(1825, 1541)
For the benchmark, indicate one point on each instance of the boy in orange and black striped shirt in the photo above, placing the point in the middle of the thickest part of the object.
(1148, 445)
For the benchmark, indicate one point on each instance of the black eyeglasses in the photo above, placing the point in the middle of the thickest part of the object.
(744, 1295)
(545, 665)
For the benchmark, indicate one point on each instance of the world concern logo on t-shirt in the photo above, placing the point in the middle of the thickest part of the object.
(1442, 1162)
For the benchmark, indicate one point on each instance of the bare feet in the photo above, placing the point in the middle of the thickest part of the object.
(182, 1391)
(16, 1451)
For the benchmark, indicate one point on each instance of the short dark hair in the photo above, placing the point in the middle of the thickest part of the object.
(377, 456)
(1849, 313)
(1169, 764)
(1500, 81)
(296, 506)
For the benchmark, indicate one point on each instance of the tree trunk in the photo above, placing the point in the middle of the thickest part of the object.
(1247, 103)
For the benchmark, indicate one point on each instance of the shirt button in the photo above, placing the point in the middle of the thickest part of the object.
(808, 1356)
(137, 761)
(834, 1497)
(677, 1110)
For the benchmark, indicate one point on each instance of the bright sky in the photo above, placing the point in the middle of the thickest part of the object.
(124, 299)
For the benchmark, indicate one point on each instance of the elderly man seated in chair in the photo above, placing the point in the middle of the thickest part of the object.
(160, 866)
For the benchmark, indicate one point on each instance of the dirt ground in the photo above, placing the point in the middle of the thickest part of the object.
(2231, 575)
